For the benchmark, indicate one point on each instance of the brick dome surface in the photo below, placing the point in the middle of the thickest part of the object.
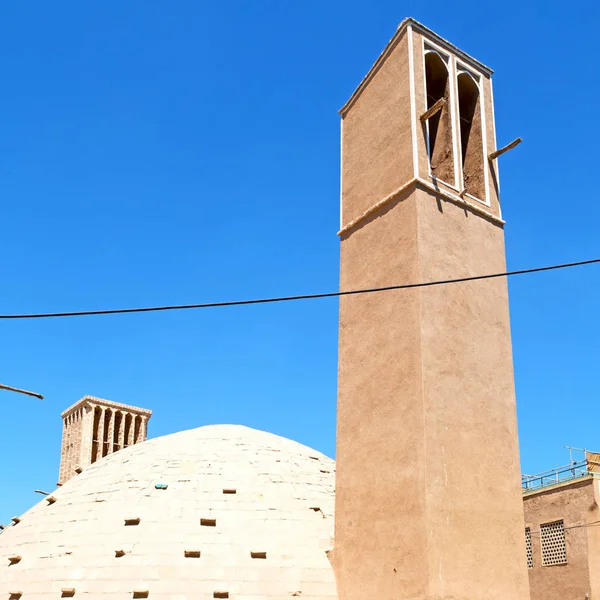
(216, 512)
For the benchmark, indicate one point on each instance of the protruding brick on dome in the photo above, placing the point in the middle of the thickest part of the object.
(93, 428)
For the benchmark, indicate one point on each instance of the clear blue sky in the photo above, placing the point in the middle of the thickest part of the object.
(173, 152)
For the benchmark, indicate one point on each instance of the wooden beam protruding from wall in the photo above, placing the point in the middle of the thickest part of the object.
(506, 148)
(433, 110)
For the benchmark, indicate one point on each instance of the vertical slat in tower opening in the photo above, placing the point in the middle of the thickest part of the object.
(138, 429)
(109, 431)
(96, 440)
(117, 431)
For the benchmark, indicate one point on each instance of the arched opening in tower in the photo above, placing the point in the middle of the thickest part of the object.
(117, 431)
(471, 136)
(128, 430)
(439, 127)
(105, 437)
(96, 441)
(137, 429)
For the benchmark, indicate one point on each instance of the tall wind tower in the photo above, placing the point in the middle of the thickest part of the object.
(428, 498)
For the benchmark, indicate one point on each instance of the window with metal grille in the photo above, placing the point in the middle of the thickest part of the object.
(528, 547)
(554, 545)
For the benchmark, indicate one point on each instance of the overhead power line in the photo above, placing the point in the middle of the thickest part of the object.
(405, 286)
(581, 525)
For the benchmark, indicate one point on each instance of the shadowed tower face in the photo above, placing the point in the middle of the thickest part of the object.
(428, 497)
(94, 428)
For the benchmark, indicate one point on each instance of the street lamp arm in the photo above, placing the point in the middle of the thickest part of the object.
(12, 389)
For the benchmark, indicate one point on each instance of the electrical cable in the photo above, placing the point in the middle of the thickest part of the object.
(580, 526)
(118, 311)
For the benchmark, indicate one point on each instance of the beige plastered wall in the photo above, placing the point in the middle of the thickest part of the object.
(426, 412)
(380, 540)
(376, 140)
(577, 505)
(593, 538)
(474, 507)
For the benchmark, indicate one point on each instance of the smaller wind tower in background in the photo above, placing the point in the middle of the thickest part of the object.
(94, 428)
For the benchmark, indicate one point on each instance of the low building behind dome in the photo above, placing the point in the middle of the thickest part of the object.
(222, 511)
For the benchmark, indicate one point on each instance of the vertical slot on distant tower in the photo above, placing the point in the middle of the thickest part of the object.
(137, 428)
(96, 442)
(127, 430)
(105, 440)
(117, 430)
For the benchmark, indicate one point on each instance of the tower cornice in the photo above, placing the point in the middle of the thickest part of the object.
(402, 28)
(423, 184)
(93, 400)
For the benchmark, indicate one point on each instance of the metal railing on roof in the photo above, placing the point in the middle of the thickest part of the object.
(576, 469)
(554, 476)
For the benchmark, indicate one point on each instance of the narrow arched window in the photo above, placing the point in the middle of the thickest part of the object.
(438, 127)
(471, 136)
(118, 424)
(96, 441)
(128, 431)
(105, 438)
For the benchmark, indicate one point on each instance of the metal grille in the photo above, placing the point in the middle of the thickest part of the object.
(528, 547)
(554, 546)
